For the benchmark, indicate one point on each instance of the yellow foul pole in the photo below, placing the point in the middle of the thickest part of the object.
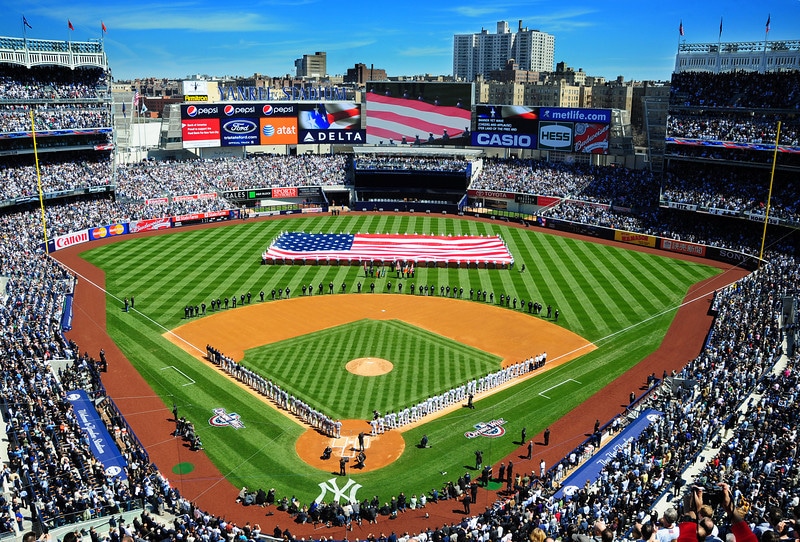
(39, 182)
(769, 196)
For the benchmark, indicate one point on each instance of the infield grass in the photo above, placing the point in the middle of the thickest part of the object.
(622, 300)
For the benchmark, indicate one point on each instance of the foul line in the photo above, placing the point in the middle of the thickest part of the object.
(557, 385)
(184, 375)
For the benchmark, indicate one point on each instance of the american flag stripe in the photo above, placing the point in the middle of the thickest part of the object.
(389, 247)
(394, 118)
(345, 118)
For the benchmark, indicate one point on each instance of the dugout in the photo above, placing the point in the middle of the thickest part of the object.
(394, 176)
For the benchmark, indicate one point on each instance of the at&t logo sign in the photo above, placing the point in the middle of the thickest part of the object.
(492, 429)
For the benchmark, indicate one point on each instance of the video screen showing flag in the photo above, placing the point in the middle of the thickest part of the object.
(389, 248)
(419, 113)
(510, 126)
(330, 122)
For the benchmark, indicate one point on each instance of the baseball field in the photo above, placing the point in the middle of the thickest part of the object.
(615, 306)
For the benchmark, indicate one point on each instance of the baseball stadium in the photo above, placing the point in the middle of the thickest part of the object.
(313, 321)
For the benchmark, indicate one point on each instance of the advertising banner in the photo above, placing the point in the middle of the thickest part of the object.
(284, 192)
(195, 197)
(101, 443)
(71, 239)
(497, 194)
(683, 247)
(150, 224)
(509, 126)
(101, 232)
(591, 469)
(332, 122)
(555, 136)
(635, 238)
(278, 131)
(575, 114)
(238, 132)
(198, 133)
(591, 138)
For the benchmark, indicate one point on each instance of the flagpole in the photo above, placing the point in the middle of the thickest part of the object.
(769, 195)
(719, 45)
(766, 39)
(39, 182)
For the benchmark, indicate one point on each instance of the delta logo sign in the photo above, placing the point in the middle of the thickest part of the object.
(492, 429)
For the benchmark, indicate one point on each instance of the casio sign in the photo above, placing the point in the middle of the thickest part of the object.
(240, 126)
(555, 135)
(520, 141)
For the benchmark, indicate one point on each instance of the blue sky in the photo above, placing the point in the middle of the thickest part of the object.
(175, 38)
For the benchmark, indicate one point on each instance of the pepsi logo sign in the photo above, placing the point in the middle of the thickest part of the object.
(267, 110)
(191, 111)
(228, 110)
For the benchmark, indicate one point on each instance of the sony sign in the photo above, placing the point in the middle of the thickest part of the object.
(555, 136)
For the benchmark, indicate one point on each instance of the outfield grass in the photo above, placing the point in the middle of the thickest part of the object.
(621, 300)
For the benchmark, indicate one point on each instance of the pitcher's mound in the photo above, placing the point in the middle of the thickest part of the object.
(369, 366)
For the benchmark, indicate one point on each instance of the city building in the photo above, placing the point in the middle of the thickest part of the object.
(479, 54)
(315, 65)
(361, 73)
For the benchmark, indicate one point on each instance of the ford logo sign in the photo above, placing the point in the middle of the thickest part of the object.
(240, 126)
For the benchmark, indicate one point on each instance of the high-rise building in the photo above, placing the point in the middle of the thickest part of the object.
(479, 54)
(315, 65)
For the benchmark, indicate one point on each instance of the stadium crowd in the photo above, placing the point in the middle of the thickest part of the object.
(405, 163)
(735, 127)
(751, 90)
(52, 473)
(608, 184)
(16, 118)
(18, 177)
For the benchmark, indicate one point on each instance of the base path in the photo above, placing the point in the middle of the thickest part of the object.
(484, 326)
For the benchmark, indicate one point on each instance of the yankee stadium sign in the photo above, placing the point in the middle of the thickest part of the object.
(241, 94)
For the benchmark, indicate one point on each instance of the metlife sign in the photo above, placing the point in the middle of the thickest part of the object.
(573, 114)
(554, 136)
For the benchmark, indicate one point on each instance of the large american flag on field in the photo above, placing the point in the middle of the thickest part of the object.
(394, 118)
(389, 247)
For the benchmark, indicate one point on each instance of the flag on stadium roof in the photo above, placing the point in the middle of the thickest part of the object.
(680, 29)
(769, 18)
(69, 24)
(103, 27)
(390, 247)
(26, 23)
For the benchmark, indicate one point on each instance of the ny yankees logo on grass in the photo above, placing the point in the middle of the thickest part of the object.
(338, 494)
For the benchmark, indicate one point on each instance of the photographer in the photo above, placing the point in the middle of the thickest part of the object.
(691, 531)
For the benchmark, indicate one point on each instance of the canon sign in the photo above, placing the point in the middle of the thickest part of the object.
(74, 238)
(555, 136)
